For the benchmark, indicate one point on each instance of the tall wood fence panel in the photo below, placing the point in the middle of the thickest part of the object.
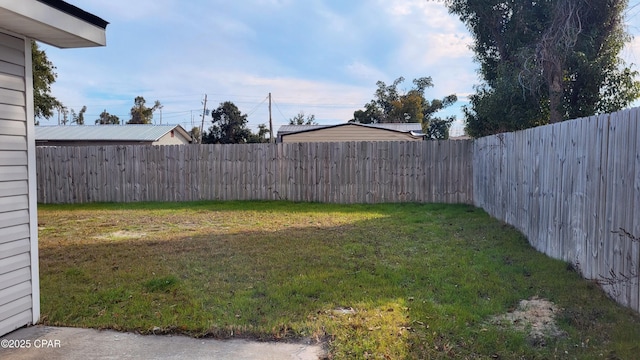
(340, 172)
(573, 189)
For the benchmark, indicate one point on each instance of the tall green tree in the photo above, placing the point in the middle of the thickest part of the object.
(107, 119)
(140, 113)
(195, 135)
(229, 126)
(545, 61)
(261, 136)
(43, 76)
(301, 119)
(63, 114)
(392, 105)
(78, 118)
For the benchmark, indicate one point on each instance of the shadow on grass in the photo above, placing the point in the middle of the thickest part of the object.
(401, 281)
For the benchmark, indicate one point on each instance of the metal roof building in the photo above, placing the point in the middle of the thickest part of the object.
(111, 135)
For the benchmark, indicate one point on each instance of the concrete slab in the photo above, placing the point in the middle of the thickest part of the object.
(44, 342)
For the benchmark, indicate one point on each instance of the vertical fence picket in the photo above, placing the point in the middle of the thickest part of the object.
(635, 226)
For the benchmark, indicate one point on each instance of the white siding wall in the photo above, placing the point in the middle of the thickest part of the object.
(172, 138)
(16, 286)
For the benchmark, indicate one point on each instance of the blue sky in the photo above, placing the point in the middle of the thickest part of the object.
(322, 57)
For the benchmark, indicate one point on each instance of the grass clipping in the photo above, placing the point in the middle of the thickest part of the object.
(537, 317)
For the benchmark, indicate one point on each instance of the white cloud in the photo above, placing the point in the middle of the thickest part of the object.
(401, 7)
(365, 72)
(313, 97)
(431, 43)
(429, 34)
(232, 27)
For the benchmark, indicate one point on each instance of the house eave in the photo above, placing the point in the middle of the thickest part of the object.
(46, 22)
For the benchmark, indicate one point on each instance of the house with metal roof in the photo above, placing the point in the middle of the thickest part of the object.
(85, 135)
(59, 24)
(351, 132)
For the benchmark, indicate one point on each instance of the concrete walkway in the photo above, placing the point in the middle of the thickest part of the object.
(74, 343)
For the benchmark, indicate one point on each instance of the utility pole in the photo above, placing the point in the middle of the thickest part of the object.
(271, 139)
(204, 113)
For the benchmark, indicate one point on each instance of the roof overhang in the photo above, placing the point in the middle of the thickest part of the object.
(53, 22)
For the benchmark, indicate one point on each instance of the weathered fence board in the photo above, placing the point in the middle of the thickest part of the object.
(348, 172)
(573, 189)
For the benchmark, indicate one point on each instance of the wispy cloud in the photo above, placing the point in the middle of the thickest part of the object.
(363, 71)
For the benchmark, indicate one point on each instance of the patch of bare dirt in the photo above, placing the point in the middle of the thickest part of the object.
(122, 235)
(536, 316)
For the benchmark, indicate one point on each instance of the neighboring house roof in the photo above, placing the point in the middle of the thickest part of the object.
(54, 22)
(461, 137)
(296, 128)
(414, 129)
(125, 133)
(403, 127)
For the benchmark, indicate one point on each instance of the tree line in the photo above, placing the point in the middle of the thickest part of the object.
(140, 114)
(392, 105)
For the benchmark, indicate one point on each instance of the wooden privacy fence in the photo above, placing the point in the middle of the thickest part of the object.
(573, 189)
(339, 172)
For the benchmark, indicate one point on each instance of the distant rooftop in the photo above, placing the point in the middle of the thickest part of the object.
(405, 127)
(104, 132)
(415, 129)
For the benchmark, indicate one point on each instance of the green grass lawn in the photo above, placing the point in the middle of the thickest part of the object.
(391, 281)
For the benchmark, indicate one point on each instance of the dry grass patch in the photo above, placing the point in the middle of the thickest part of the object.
(122, 235)
(536, 317)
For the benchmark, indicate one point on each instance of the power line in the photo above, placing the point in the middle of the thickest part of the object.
(255, 108)
(280, 111)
